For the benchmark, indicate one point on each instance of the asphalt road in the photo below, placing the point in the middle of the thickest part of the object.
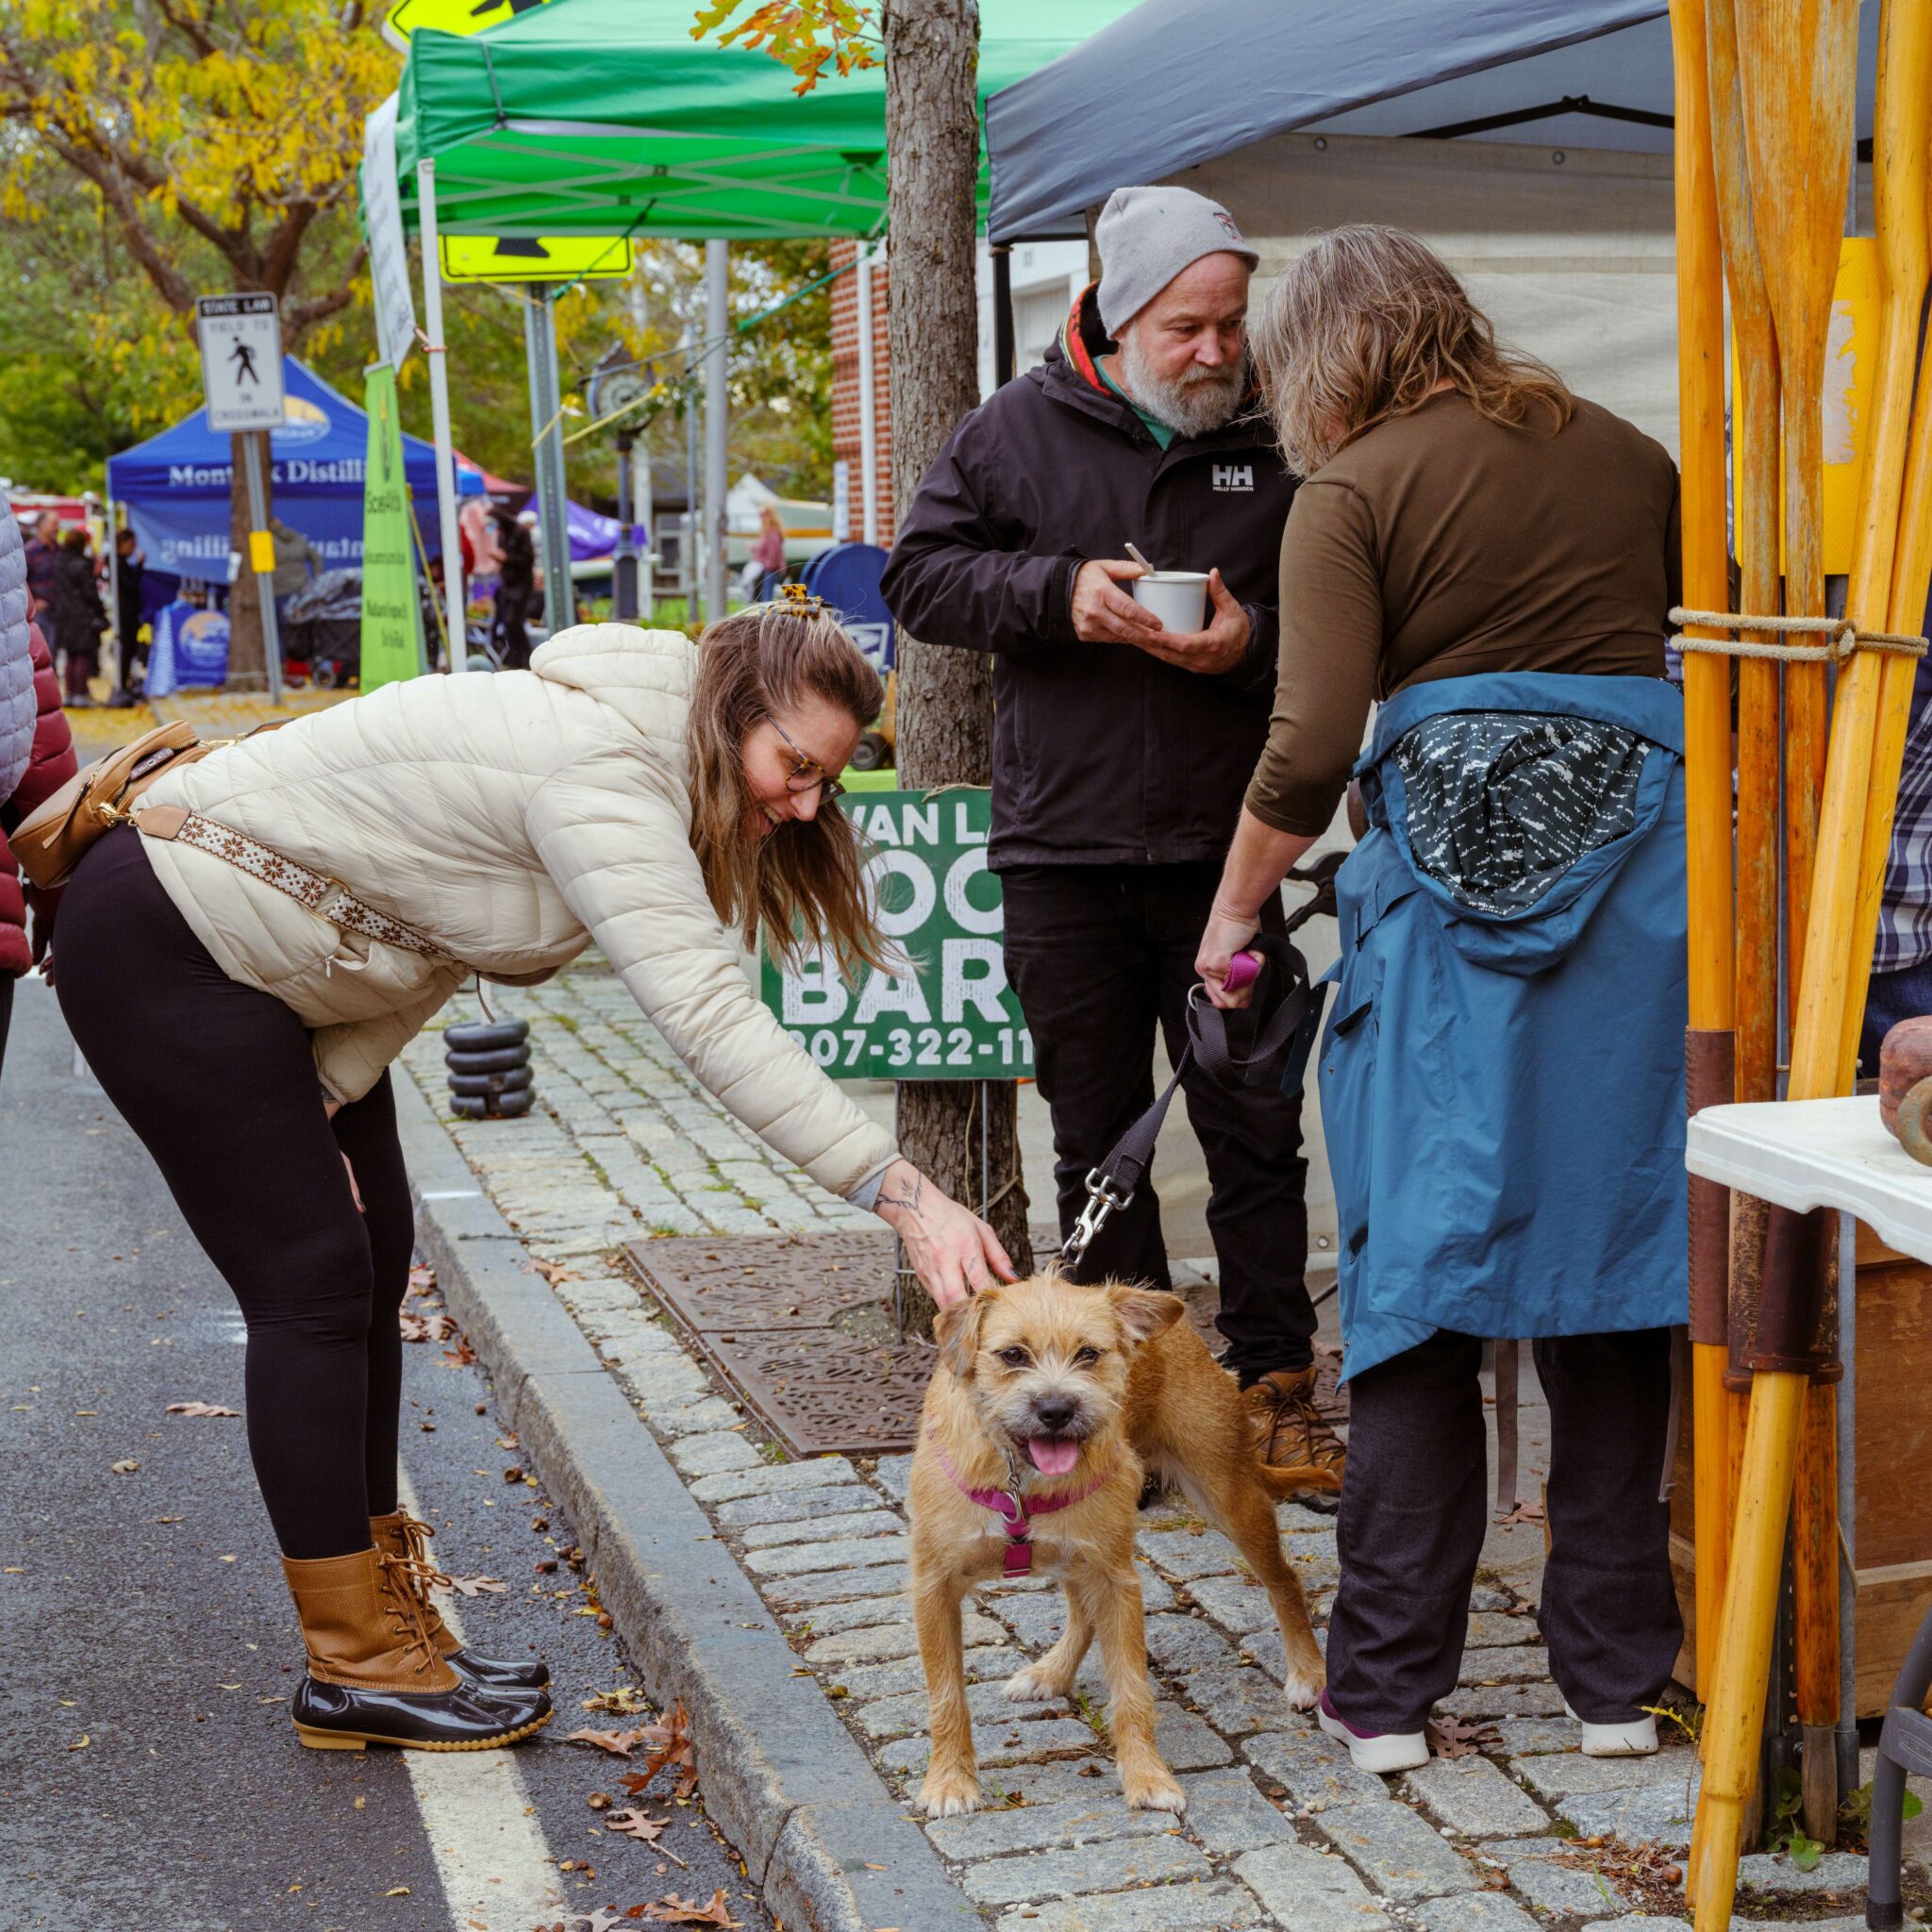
(149, 1778)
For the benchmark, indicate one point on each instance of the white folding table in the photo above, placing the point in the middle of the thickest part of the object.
(1804, 1155)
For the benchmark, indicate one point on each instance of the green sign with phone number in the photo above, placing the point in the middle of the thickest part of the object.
(951, 1014)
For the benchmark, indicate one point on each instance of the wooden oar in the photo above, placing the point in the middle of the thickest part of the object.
(1911, 580)
(1797, 62)
(1755, 424)
(1834, 980)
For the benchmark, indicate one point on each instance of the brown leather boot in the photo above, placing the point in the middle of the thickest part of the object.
(405, 1538)
(1291, 1433)
(374, 1675)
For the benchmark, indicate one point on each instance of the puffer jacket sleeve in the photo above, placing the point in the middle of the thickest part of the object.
(350, 1057)
(616, 845)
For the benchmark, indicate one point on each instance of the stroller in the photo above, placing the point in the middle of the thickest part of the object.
(322, 627)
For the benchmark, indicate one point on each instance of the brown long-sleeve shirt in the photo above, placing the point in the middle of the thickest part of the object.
(1441, 545)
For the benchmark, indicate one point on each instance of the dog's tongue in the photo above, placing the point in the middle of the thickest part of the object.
(1051, 1457)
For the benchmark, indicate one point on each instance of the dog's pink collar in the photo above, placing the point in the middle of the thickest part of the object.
(1015, 1511)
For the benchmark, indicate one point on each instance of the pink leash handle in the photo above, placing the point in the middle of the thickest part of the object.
(1242, 970)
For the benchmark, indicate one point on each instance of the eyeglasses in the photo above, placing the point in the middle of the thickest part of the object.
(808, 773)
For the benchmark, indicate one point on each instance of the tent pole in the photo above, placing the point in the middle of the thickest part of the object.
(691, 576)
(438, 413)
(868, 406)
(644, 492)
(717, 419)
(546, 434)
(122, 653)
(1003, 350)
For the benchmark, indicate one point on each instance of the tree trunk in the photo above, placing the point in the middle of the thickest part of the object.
(247, 660)
(945, 696)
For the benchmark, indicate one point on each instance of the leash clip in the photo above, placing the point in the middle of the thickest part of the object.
(1103, 1197)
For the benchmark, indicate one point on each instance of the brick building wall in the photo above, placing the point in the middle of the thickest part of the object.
(845, 415)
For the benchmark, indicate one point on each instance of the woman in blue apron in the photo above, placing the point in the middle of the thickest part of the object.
(1490, 560)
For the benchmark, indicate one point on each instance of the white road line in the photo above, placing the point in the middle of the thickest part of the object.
(489, 1849)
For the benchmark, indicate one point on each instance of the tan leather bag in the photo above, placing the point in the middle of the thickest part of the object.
(50, 843)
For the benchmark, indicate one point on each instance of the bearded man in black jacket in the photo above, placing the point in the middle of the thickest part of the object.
(1121, 749)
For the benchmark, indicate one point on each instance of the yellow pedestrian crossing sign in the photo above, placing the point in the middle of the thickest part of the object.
(535, 257)
(449, 17)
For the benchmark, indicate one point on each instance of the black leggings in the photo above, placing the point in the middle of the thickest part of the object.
(218, 1082)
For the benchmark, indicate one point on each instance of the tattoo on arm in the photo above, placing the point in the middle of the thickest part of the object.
(909, 1195)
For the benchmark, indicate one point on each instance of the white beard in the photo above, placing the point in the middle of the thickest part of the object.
(1199, 403)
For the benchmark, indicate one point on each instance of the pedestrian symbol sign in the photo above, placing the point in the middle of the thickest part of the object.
(241, 361)
(535, 258)
(449, 17)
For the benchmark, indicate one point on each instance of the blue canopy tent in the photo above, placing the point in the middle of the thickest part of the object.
(176, 486)
(1527, 140)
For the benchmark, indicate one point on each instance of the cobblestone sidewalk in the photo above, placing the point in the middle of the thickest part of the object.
(1280, 1830)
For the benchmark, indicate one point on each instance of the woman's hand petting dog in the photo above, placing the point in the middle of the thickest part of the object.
(953, 1253)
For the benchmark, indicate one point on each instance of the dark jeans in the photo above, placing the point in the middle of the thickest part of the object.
(1415, 1506)
(1892, 998)
(1099, 956)
(218, 1082)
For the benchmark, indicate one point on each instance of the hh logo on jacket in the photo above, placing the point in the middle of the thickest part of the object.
(1234, 477)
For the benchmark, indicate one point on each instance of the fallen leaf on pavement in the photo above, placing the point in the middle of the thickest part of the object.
(397, 1892)
(1523, 1512)
(85, 1742)
(422, 1279)
(200, 1408)
(626, 1700)
(432, 1328)
(672, 1911)
(646, 1829)
(1452, 1737)
(602, 1920)
(461, 1355)
(670, 1744)
(620, 1743)
(478, 1586)
(126, 1468)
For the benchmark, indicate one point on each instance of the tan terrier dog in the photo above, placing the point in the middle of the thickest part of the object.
(1051, 1405)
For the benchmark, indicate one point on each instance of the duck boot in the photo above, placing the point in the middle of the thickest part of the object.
(406, 1538)
(374, 1675)
(1294, 1438)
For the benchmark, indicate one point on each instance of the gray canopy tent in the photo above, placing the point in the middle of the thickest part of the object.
(1527, 140)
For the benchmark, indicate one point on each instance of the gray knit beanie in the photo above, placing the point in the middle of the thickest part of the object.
(1147, 235)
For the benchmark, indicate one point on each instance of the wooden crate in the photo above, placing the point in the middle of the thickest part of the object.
(1892, 1535)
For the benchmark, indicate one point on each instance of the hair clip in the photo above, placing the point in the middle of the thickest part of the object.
(796, 597)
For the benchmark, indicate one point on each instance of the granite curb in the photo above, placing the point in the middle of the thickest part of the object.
(829, 1846)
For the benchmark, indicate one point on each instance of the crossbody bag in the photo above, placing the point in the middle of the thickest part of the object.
(51, 841)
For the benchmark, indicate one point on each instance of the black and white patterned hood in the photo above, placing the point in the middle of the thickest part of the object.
(1501, 804)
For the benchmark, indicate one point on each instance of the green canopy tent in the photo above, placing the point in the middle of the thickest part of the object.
(610, 117)
(606, 117)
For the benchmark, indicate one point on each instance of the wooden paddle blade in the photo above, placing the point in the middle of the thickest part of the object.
(1755, 424)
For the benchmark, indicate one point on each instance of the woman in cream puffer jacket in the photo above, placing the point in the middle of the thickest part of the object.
(630, 790)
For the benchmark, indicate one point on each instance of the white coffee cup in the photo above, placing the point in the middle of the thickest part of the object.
(1177, 597)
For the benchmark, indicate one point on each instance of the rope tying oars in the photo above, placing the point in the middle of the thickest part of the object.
(1841, 639)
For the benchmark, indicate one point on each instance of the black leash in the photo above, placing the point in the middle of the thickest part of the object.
(1286, 1011)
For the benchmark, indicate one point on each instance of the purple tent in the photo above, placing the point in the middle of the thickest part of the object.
(592, 537)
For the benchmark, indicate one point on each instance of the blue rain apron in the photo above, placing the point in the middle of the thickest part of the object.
(1502, 1069)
